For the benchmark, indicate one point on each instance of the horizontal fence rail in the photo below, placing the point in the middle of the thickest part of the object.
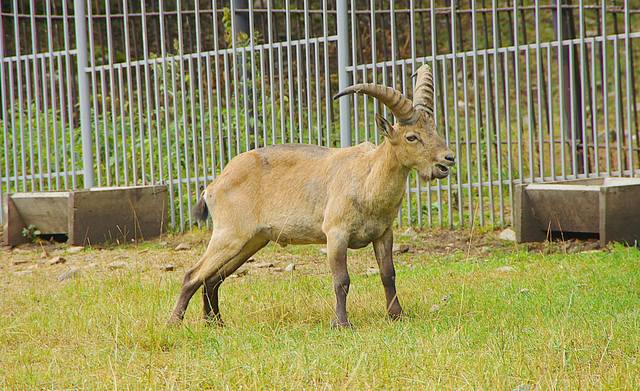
(121, 92)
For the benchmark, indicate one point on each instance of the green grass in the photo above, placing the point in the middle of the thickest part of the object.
(569, 321)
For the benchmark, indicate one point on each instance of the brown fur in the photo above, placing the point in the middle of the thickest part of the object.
(299, 194)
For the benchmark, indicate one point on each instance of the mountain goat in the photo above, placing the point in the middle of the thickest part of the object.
(301, 194)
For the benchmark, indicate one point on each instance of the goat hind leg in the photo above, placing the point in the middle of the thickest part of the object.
(210, 306)
(220, 250)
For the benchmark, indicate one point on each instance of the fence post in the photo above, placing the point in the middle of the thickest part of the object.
(344, 81)
(83, 91)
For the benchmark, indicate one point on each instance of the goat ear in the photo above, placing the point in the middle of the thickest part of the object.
(384, 126)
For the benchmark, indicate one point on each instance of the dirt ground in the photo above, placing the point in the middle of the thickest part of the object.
(174, 253)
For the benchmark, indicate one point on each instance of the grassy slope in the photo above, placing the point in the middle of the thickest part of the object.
(559, 320)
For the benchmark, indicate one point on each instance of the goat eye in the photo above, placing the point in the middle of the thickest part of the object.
(411, 138)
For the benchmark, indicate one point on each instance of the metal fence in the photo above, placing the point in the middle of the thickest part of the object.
(116, 93)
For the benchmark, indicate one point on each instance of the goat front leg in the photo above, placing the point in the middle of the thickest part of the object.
(383, 248)
(337, 254)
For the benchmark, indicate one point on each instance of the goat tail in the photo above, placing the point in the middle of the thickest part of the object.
(200, 211)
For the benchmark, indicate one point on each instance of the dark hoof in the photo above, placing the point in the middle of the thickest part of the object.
(210, 320)
(174, 321)
(396, 315)
(336, 324)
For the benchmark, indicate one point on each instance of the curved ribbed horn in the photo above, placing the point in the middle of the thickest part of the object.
(400, 106)
(423, 91)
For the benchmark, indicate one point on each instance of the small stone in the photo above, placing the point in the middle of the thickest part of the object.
(75, 249)
(250, 260)
(168, 267)
(56, 261)
(522, 387)
(117, 265)
(401, 249)
(434, 308)
(263, 265)
(290, 267)
(68, 274)
(372, 271)
(323, 251)
(506, 269)
(507, 234)
(524, 291)
(19, 261)
(182, 247)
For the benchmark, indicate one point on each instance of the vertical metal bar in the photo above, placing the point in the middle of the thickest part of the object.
(245, 102)
(52, 89)
(27, 75)
(23, 156)
(445, 110)
(342, 21)
(307, 55)
(618, 109)
(594, 112)
(45, 104)
(110, 51)
(316, 51)
(434, 70)
(69, 94)
(605, 92)
(176, 136)
(552, 137)
(354, 77)
(467, 139)
(299, 78)
(127, 53)
(194, 145)
(327, 94)
(271, 72)
(5, 145)
(508, 128)
(559, 22)
(583, 120)
(5, 130)
(487, 134)
(628, 77)
(283, 136)
(263, 94)
(218, 88)
(572, 104)
(516, 59)
(183, 103)
(143, 162)
(476, 109)
(235, 78)
(122, 127)
(539, 87)
(203, 165)
(35, 90)
(147, 87)
(14, 132)
(290, 93)
(254, 90)
(530, 109)
(105, 129)
(165, 88)
(456, 125)
(374, 70)
(85, 125)
(63, 125)
(413, 69)
(496, 106)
